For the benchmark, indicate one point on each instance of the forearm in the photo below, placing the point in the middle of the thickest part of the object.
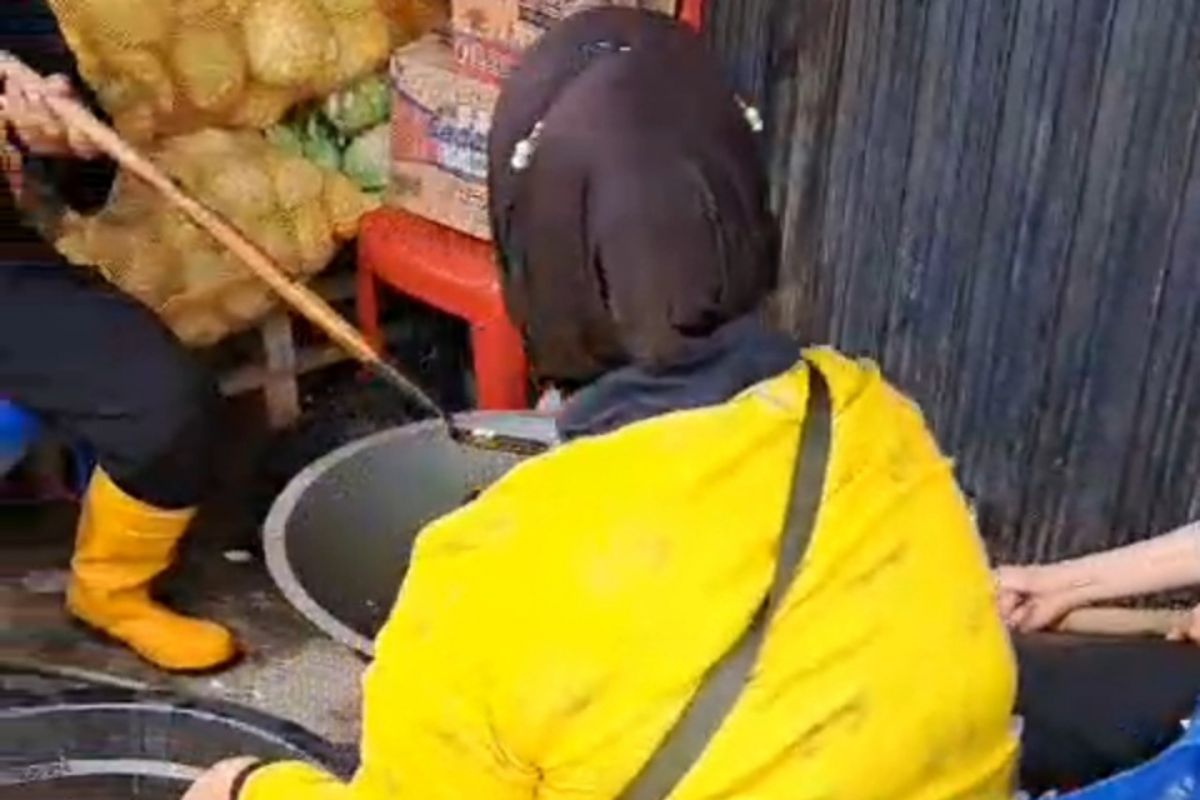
(1164, 563)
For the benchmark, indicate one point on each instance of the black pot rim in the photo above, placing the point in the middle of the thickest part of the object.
(286, 735)
(275, 528)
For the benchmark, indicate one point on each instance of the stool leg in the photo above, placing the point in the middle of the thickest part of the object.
(281, 389)
(501, 371)
(691, 14)
(367, 305)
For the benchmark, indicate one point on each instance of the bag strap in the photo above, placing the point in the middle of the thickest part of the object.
(725, 681)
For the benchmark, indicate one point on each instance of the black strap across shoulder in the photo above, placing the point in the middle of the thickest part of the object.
(687, 740)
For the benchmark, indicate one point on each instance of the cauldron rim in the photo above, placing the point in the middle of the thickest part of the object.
(275, 527)
(287, 737)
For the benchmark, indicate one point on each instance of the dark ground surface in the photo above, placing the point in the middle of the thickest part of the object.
(290, 670)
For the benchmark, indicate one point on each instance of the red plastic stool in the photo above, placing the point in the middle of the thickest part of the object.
(454, 273)
(691, 12)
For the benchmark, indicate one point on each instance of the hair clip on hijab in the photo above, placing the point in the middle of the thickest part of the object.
(525, 149)
(753, 117)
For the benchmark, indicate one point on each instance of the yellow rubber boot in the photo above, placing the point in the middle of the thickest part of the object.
(122, 545)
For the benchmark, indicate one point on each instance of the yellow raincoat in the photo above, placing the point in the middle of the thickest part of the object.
(549, 634)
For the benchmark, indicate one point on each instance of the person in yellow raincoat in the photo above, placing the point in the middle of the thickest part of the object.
(549, 634)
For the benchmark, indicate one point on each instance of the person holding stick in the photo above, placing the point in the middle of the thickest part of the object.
(96, 364)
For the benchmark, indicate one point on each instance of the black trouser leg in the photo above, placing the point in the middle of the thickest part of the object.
(1095, 707)
(98, 365)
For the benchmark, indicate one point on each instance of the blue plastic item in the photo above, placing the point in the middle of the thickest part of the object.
(1173, 775)
(18, 430)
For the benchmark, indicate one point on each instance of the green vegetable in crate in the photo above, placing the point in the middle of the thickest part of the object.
(287, 139)
(366, 161)
(321, 144)
(347, 133)
(363, 105)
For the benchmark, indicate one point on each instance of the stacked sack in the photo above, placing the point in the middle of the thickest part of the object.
(194, 83)
(174, 66)
(293, 209)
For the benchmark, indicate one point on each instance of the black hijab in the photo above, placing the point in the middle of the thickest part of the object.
(628, 197)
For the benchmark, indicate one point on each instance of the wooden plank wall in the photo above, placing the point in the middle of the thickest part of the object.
(1000, 201)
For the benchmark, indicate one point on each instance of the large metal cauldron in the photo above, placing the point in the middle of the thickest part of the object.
(338, 539)
(75, 739)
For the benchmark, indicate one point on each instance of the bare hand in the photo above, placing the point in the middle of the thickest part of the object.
(1033, 598)
(217, 783)
(1189, 631)
(26, 112)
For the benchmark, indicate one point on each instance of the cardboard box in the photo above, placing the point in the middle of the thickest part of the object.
(490, 34)
(440, 123)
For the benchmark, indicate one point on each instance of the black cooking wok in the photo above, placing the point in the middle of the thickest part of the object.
(337, 540)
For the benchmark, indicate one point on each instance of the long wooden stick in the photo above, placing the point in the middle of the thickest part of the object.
(298, 296)
(1130, 622)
